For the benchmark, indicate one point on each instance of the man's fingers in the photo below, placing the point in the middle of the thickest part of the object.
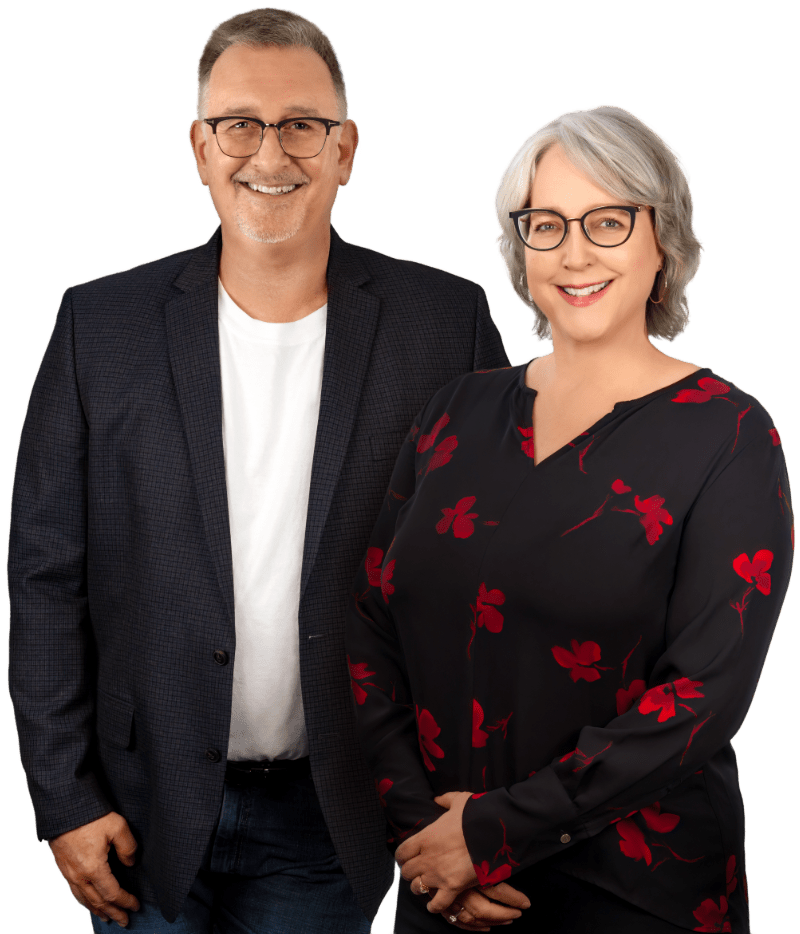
(99, 906)
(125, 844)
(81, 899)
(506, 894)
(111, 891)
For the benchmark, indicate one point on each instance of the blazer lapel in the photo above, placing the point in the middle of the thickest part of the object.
(351, 323)
(193, 340)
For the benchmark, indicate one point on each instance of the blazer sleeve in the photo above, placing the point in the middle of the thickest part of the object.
(52, 660)
(489, 351)
(731, 577)
(385, 715)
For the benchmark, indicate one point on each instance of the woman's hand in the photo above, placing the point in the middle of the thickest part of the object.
(478, 909)
(438, 854)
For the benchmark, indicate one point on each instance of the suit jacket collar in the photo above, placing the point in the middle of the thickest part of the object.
(193, 340)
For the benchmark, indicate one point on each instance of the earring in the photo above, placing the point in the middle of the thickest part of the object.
(663, 290)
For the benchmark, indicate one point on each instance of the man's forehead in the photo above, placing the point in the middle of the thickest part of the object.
(247, 77)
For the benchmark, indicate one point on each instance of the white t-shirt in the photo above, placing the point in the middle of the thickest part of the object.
(271, 384)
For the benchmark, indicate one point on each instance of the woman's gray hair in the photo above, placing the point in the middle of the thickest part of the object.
(264, 28)
(625, 157)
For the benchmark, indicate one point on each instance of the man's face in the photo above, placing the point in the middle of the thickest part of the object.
(273, 84)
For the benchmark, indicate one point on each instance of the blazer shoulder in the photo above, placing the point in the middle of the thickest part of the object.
(403, 271)
(145, 278)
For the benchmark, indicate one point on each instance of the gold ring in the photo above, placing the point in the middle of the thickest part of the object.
(423, 889)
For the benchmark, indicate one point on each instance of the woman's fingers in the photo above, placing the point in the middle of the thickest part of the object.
(506, 894)
(487, 912)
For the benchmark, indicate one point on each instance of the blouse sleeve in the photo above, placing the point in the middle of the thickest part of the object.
(385, 714)
(731, 576)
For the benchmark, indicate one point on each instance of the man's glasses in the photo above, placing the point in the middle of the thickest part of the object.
(545, 230)
(300, 137)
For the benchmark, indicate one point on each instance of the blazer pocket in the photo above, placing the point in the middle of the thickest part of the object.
(114, 720)
(386, 444)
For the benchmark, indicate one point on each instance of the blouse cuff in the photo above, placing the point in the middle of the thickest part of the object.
(511, 828)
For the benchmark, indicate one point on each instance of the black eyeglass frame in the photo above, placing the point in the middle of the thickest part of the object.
(213, 121)
(633, 211)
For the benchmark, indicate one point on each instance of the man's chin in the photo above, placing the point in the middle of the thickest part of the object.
(262, 231)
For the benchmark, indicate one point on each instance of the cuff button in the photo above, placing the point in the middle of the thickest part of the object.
(565, 838)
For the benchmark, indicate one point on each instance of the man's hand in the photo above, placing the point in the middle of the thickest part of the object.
(438, 854)
(82, 857)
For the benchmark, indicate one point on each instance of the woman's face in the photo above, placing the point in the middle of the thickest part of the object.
(629, 269)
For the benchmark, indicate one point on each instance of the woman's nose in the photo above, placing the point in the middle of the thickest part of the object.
(578, 251)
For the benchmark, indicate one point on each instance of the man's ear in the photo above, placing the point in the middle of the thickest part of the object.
(348, 141)
(199, 143)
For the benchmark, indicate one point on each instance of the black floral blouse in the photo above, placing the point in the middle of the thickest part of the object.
(577, 641)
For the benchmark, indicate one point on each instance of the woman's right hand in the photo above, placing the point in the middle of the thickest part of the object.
(486, 906)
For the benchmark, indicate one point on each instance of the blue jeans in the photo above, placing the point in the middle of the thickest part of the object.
(270, 869)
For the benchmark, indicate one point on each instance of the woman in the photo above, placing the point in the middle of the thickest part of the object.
(571, 588)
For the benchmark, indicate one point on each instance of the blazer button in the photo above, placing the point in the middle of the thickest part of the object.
(565, 838)
(213, 755)
(221, 657)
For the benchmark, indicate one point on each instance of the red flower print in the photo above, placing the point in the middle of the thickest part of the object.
(583, 759)
(755, 573)
(459, 518)
(372, 564)
(776, 438)
(738, 426)
(491, 878)
(658, 821)
(387, 588)
(488, 616)
(633, 843)
(709, 389)
(505, 849)
(711, 916)
(502, 724)
(382, 787)
(626, 698)
(653, 516)
(755, 570)
(581, 454)
(484, 612)
(443, 453)
(695, 731)
(730, 875)
(427, 441)
(428, 730)
(662, 698)
(528, 444)
(618, 486)
(581, 660)
(479, 736)
(357, 673)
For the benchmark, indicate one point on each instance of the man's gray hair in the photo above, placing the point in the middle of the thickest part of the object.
(268, 27)
(622, 155)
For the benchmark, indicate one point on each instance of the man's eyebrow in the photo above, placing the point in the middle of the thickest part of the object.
(243, 110)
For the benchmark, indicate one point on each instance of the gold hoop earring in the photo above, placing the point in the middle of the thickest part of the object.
(663, 290)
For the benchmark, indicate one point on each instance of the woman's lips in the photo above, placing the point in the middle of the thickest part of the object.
(581, 301)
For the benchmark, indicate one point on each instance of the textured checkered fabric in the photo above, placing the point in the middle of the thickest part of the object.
(120, 559)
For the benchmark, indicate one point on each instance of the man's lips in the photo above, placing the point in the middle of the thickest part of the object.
(272, 191)
(581, 301)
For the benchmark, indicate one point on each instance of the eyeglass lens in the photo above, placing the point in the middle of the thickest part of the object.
(544, 230)
(300, 138)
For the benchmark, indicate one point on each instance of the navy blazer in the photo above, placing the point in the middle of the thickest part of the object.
(120, 558)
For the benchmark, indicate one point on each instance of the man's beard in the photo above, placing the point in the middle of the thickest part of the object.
(270, 226)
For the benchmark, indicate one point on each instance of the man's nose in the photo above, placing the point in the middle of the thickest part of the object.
(270, 153)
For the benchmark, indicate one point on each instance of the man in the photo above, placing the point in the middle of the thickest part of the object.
(207, 445)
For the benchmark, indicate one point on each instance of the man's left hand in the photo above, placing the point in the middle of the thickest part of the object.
(438, 854)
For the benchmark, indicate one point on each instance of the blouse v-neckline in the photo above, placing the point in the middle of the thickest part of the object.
(530, 397)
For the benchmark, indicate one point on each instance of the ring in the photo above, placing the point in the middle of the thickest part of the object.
(423, 889)
(453, 918)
